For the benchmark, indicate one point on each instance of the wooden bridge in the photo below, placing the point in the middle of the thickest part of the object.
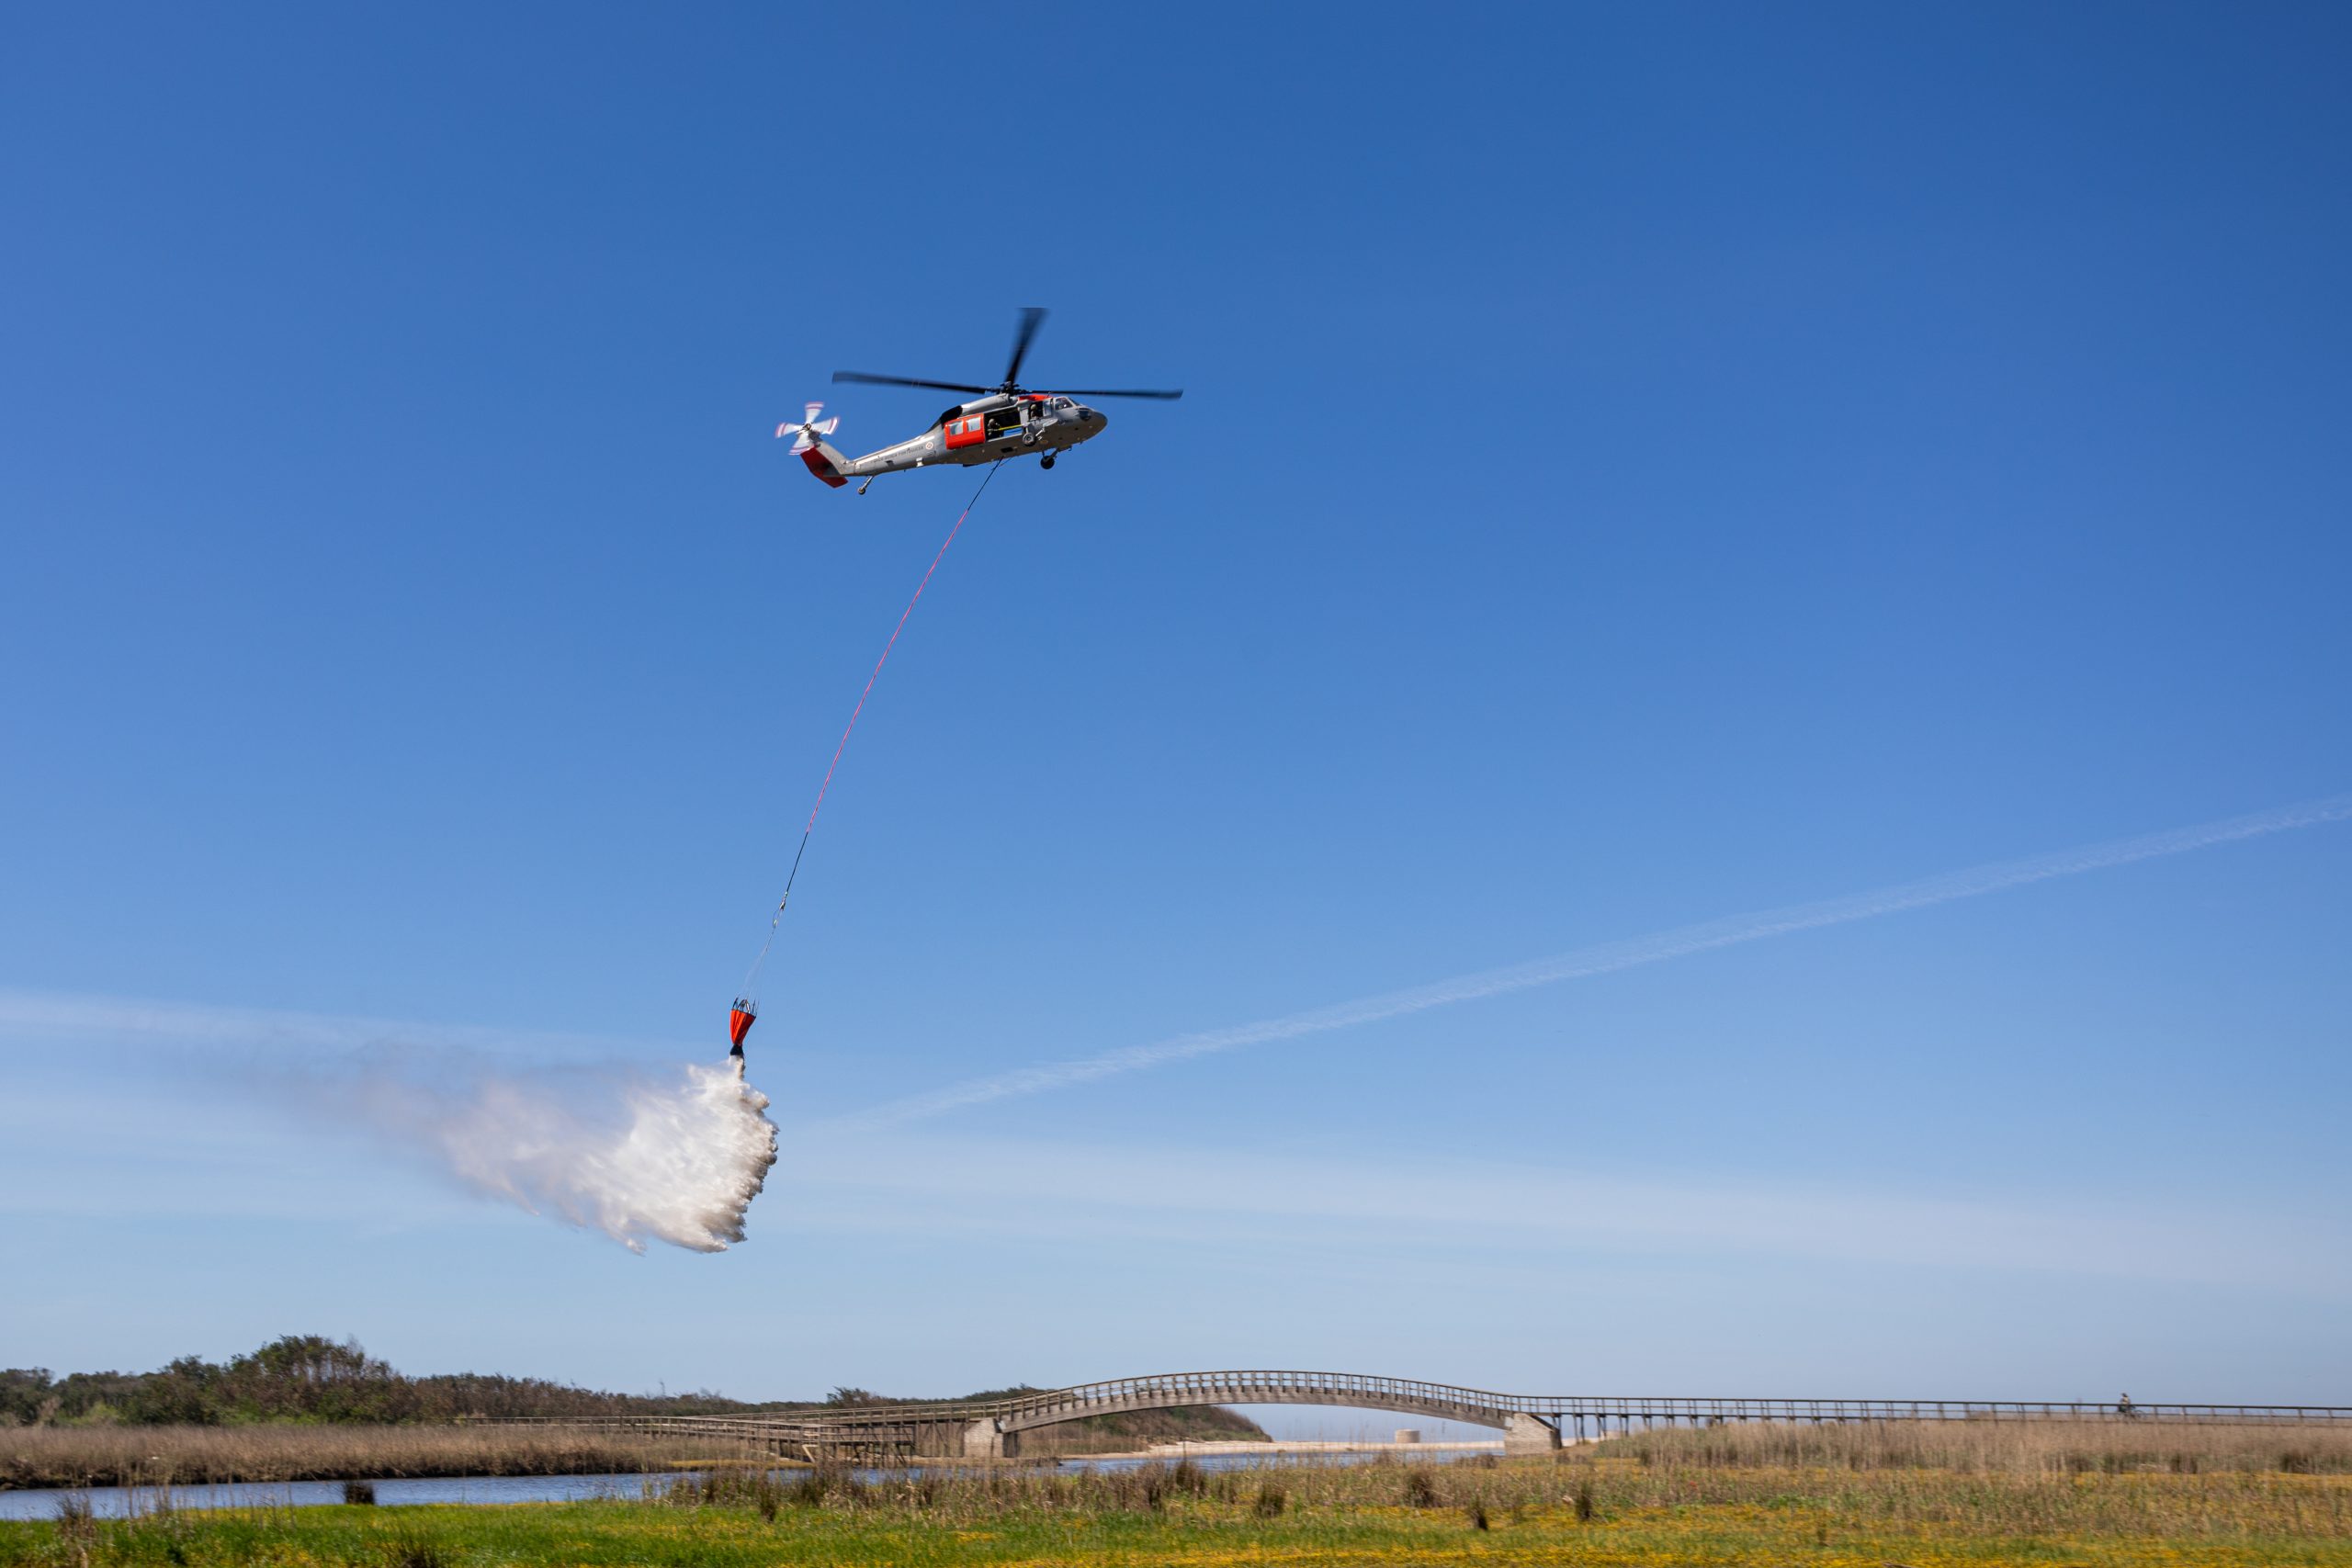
(1530, 1423)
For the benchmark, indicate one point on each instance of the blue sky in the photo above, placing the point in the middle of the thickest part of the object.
(1640, 466)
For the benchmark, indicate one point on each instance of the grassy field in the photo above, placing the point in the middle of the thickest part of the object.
(1922, 1496)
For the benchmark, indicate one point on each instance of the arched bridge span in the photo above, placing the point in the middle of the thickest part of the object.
(1530, 1423)
(1180, 1391)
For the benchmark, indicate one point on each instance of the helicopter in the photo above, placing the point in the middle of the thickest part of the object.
(1006, 421)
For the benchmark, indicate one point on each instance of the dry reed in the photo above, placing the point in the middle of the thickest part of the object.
(151, 1456)
(2000, 1447)
(2202, 1483)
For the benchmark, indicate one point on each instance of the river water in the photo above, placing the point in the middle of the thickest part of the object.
(117, 1502)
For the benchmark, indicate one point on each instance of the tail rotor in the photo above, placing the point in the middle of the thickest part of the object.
(811, 429)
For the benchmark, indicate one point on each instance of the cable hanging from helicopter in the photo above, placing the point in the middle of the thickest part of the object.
(1006, 421)
(746, 1006)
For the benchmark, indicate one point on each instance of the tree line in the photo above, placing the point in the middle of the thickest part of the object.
(307, 1377)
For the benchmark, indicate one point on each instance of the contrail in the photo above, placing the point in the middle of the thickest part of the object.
(1607, 957)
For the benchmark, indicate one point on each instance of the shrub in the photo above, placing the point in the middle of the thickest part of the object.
(414, 1551)
(362, 1493)
(1270, 1502)
(1420, 1489)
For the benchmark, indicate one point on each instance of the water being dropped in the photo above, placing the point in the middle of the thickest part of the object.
(673, 1156)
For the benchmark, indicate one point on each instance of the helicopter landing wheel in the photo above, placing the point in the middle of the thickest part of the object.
(1046, 461)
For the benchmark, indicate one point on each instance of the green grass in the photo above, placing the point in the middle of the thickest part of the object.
(1584, 1509)
(620, 1533)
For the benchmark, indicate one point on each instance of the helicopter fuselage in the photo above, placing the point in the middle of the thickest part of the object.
(1004, 421)
(986, 429)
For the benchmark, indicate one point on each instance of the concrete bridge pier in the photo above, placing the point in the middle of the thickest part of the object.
(1530, 1435)
(986, 1439)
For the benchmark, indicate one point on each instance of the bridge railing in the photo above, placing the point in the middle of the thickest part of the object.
(1288, 1386)
(1294, 1386)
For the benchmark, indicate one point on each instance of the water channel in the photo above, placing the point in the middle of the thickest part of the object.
(118, 1502)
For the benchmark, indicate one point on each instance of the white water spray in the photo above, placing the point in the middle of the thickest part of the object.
(677, 1157)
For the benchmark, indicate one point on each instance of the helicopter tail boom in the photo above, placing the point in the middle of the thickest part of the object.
(825, 463)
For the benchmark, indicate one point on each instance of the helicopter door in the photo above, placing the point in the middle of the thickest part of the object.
(1004, 421)
(964, 430)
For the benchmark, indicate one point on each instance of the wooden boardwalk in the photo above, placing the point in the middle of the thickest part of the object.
(989, 1428)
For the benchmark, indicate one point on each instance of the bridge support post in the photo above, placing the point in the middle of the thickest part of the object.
(1530, 1435)
(986, 1439)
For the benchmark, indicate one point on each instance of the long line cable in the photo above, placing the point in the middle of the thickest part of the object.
(850, 729)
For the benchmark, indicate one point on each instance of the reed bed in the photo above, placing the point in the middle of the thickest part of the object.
(2001, 1448)
(2029, 1491)
(153, 1456)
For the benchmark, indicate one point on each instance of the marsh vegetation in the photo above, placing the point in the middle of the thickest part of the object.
(200, 1456)
(304, 1408)
(2112, 1494)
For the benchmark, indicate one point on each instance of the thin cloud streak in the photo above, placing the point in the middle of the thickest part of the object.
(1606, 958)
(1532, 1214)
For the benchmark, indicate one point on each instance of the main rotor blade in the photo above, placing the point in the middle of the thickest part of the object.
(1105, 392)
(1022, 335)
(905, 381)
